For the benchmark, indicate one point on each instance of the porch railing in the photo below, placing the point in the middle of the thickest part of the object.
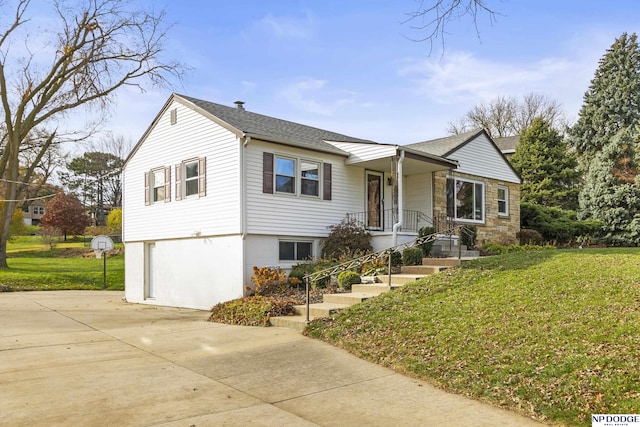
(385, 253)
(413, 220)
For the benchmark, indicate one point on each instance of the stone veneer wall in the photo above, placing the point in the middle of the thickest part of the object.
(496, 229)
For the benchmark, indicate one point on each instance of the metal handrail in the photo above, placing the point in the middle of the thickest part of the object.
(358, 262)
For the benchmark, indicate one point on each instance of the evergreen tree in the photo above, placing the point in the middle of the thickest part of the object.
(612, 102)
(611, 193)
(547, 167)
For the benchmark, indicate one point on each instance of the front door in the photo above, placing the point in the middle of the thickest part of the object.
(374, 200)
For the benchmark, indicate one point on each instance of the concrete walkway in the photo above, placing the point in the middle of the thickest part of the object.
(85, 358)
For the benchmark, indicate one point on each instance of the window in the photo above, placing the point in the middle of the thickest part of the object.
(309, 178)
(38, 210)
(191, 178)
(157, 185)
(503, 200)
(465, 199)
(285, 175)
(298, 177)
(295, 251)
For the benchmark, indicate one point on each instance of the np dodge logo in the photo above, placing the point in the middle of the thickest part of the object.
(615, 420)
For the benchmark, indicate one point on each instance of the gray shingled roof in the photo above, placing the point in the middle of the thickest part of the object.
(444, 146)
(508, 143)
(272, 129)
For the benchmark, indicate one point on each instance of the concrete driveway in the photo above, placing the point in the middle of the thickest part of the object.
(85, 358)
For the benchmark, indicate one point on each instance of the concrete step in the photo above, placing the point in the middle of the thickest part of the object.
(422, 269)
(297, 322)
(346, 298)
(464, 254)
(449, 262)
(322, 309)
(375, 288)
(400, 279)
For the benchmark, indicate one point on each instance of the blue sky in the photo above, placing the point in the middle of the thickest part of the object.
(351, 66)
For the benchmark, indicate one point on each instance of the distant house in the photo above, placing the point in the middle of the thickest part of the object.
(33, 212)
(483, 191)
(507, 145)
(211, 191)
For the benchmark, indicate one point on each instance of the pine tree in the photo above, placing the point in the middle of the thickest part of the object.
(547, 167)
(611, 193)
(612, 102)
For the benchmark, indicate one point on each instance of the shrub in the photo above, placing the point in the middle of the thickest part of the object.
(348, 278)
(268, 280)
(426, 247)
(114, 219)
(50, 236)
(527, 236)
(412, 256)
(298, 272)
(555, 224)
(348, 238)
(250, 311)
(396, 259)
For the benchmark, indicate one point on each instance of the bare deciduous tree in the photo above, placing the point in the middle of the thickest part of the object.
(508, 116)
(89, 50)
(430, 19)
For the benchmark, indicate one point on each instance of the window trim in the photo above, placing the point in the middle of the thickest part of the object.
(269, 176)
(505, 200)
(452, 211)
(149, 185)
(181, 178)
(295, 249)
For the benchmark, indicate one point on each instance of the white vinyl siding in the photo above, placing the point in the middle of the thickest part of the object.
(277, 214)
(481, 158)
(193, 136)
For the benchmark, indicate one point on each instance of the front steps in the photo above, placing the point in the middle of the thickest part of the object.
(448, 247)
(332, 303)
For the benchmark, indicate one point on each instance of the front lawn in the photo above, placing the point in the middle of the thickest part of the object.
(552, 334)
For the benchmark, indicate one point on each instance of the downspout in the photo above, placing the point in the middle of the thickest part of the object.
(398, 224)
(243, 186)
(243, 204)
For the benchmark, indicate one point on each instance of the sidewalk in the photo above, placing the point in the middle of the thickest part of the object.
(85, 358)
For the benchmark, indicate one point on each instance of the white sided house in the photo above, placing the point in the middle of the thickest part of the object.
(210, 191)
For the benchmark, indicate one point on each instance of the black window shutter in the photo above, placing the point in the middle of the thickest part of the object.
(267, 173)
(326, 181)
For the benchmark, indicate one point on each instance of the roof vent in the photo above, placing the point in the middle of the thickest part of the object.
(239, 105)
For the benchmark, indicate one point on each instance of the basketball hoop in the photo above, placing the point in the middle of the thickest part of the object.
(98, 253)
(100, 245)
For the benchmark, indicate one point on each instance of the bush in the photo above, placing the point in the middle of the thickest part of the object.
(348, 278)
(529, 237)
(298, 272)
(268, 280)
(346, 239)
(412, 256)
(555, 224)
(396, 259)
(426, 247)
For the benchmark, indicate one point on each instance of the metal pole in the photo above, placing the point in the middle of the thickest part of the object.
(307, 280)
(460, 243)
(390, 256)
(104, 269)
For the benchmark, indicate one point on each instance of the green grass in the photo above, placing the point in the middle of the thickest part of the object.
(552, 334)
(32, 266)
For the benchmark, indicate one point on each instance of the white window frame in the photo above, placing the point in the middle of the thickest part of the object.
(505, 212)
(317, 180)
(482, 185)
(153, 185)
(294, 174)
(295, 250)
(38, 210)
(186, 180)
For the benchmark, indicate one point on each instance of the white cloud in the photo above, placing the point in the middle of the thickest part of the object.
(287, 27)
(463, 78)
(314, 96)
